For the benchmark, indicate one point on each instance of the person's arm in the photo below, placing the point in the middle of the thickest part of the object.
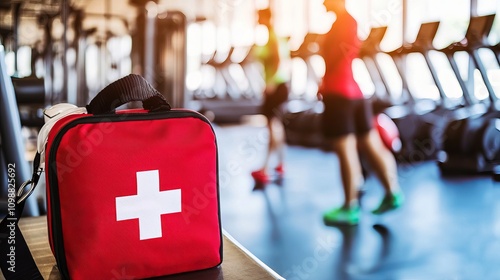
(274, 56)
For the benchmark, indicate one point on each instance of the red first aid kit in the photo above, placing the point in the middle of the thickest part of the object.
(132, 193)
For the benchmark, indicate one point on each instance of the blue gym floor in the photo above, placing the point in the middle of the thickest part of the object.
(448, 228)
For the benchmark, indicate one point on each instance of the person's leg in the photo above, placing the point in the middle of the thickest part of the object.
(338, 126)
(383, 163)
(281, 94)
(276, 131)
(271, 144)
(278, 143)
(350, 172)
(380, 159)
(261, 175)
(350, 167)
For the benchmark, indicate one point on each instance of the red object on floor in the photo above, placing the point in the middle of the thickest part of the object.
(388, 132)
(260, 176)
(280, 170)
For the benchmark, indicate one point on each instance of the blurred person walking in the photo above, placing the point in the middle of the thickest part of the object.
(347, 121)
(272, 55)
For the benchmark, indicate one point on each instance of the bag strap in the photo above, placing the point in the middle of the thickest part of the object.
(19, 263)
(129, 88)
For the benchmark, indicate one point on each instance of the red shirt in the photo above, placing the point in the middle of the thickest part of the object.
(340, 46)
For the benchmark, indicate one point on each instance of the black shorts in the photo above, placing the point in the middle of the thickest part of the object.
(273, 101)
(344, 116)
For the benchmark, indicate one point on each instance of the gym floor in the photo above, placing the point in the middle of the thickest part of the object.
(448, 228)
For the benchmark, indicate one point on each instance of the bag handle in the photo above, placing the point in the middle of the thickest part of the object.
(130, 88)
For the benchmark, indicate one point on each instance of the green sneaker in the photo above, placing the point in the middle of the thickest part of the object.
(390, 202)
(342, 216)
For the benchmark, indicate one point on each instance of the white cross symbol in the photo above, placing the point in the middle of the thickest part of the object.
(148, 205)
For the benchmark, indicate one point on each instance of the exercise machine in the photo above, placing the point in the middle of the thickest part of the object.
(472, 143)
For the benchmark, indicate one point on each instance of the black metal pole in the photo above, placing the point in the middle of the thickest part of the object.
(150, 48)
(473, 8)
(470, 74)
(16, 15)
(402, 62)
(64, 19)
(404, 13)
(48, 60)
(80, 47)
(170, 56)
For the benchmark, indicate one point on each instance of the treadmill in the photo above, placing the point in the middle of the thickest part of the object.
(472, 142)
(415, 118)
(368, 52)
